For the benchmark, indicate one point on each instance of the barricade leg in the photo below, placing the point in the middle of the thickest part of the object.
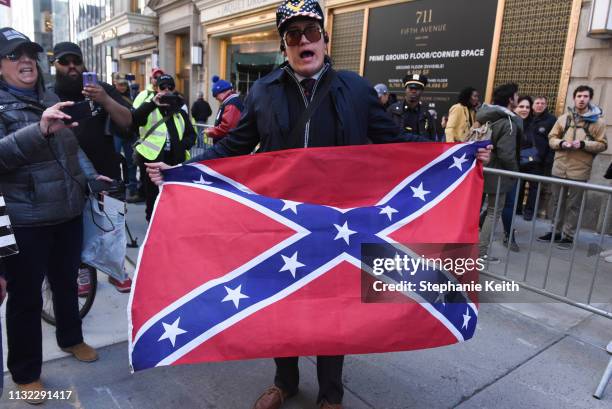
(606, 376)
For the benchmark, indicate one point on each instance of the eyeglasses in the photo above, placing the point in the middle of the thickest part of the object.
(312, 33)
(66, 60)
(17, 54)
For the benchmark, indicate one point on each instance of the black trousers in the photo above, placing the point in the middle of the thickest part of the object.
(151, 191)
(54, 251)
(329, 375)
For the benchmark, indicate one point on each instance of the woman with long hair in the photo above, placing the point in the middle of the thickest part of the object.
(462, 115)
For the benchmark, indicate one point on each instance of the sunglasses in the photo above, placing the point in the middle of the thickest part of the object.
(66, 60)
(166, 87)
(312, 33)
(17, 54)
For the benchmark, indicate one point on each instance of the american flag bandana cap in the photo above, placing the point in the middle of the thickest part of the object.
(297, 8)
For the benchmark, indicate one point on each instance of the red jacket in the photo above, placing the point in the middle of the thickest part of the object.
(227, 118)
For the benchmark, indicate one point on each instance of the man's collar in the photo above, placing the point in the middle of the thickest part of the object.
(232, 95)
(315, 76)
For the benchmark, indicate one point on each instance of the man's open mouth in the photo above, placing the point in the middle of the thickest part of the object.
(307, 54)
(26, 70)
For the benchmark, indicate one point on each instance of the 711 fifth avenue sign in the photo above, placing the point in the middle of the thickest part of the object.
(449, 42)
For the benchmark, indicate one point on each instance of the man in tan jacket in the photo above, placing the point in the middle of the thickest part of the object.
(578, 135)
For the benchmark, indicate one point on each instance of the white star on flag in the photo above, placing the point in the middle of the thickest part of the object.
(291, 264)
(388, 210)
(171, 331)
(202, 181)
(344, 232)
(458, 162)
(234, 295)
(419, 192)
(466, 318)
(290, 205)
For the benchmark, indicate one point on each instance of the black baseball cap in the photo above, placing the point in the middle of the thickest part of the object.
(165, 80)
(10, 39)
(66, 48)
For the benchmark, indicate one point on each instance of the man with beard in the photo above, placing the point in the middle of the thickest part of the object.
(410, 114)
(111, 115)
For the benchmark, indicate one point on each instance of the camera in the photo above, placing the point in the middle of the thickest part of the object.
(174, 101)
(171, 99)
(90, 78)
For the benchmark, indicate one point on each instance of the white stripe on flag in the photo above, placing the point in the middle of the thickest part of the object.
(7, 240)
(4, 221)
(2, 201)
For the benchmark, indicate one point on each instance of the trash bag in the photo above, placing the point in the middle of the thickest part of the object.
(104, 239)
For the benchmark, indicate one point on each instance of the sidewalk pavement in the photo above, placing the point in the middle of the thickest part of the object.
(535, 355)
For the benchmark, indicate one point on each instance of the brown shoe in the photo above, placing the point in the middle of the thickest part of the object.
(325, 405)
(32, 392)
(272, 398)
(82, 352)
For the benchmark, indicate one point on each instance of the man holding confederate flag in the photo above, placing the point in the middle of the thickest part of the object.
(305, 103)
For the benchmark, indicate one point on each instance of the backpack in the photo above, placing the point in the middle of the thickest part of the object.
(568, 124)
(479, 133)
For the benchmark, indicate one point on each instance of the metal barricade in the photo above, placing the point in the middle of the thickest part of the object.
(575, 275)
(203, 142)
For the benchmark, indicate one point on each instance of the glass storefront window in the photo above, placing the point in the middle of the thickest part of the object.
(250, 57)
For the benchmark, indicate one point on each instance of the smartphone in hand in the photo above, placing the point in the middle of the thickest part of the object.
(78, 111)
(90, 78)
(114, 187)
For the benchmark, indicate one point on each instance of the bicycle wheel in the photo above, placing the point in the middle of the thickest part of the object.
(85, 302)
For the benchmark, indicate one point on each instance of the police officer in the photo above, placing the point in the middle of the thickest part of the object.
(166, 133)
(410, 114)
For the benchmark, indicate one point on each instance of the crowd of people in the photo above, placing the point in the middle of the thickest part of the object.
(49, 150)
(526, 137)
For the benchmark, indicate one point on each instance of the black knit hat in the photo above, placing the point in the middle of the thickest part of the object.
(297, 8)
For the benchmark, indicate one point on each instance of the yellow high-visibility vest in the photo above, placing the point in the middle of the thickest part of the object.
(142, 97)
(150, 147)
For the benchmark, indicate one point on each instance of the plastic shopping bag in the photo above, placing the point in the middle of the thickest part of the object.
(104, 240)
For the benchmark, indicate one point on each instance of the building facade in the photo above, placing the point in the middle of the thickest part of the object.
(240, 41)
(129, 35)
(179, 34)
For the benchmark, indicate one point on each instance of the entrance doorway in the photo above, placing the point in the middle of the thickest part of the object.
(250, 57)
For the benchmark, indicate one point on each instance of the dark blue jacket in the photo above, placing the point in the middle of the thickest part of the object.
(361, 119)
(537, 130)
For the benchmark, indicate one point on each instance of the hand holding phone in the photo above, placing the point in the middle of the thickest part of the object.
(99, 186)
(90, 79)
(56, 118)
(77, 111)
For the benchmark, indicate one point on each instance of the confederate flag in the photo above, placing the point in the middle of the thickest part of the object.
(260, 255)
